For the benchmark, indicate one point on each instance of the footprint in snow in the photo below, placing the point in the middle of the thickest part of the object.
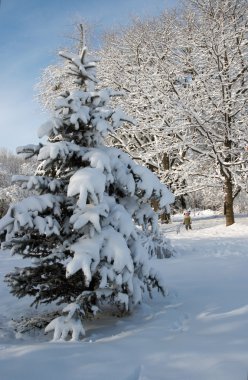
(182, 325)
(138, 374)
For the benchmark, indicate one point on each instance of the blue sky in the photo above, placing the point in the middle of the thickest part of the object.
(31, 31)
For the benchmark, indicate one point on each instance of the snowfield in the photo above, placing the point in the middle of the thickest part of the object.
(198, 332)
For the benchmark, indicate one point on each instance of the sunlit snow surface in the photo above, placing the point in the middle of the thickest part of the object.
(199, 331)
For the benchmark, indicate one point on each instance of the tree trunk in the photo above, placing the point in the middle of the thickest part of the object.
(228, 203)
(166, 161)
(164, 217)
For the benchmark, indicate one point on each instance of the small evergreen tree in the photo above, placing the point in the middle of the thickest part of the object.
(90, 229)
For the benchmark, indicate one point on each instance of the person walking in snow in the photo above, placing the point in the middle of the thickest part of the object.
(187, 221)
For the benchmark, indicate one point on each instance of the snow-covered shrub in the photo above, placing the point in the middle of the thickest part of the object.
(4, 204)
(241, 202)
(11, 165)
(90, 229)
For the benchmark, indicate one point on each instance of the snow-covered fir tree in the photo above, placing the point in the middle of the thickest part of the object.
(90, 230)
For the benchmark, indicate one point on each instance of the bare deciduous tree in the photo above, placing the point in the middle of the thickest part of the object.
(192, 69)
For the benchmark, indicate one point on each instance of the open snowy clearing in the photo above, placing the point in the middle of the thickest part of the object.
(199, 331)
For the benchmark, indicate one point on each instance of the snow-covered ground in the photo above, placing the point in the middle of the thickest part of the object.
(198, 332)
